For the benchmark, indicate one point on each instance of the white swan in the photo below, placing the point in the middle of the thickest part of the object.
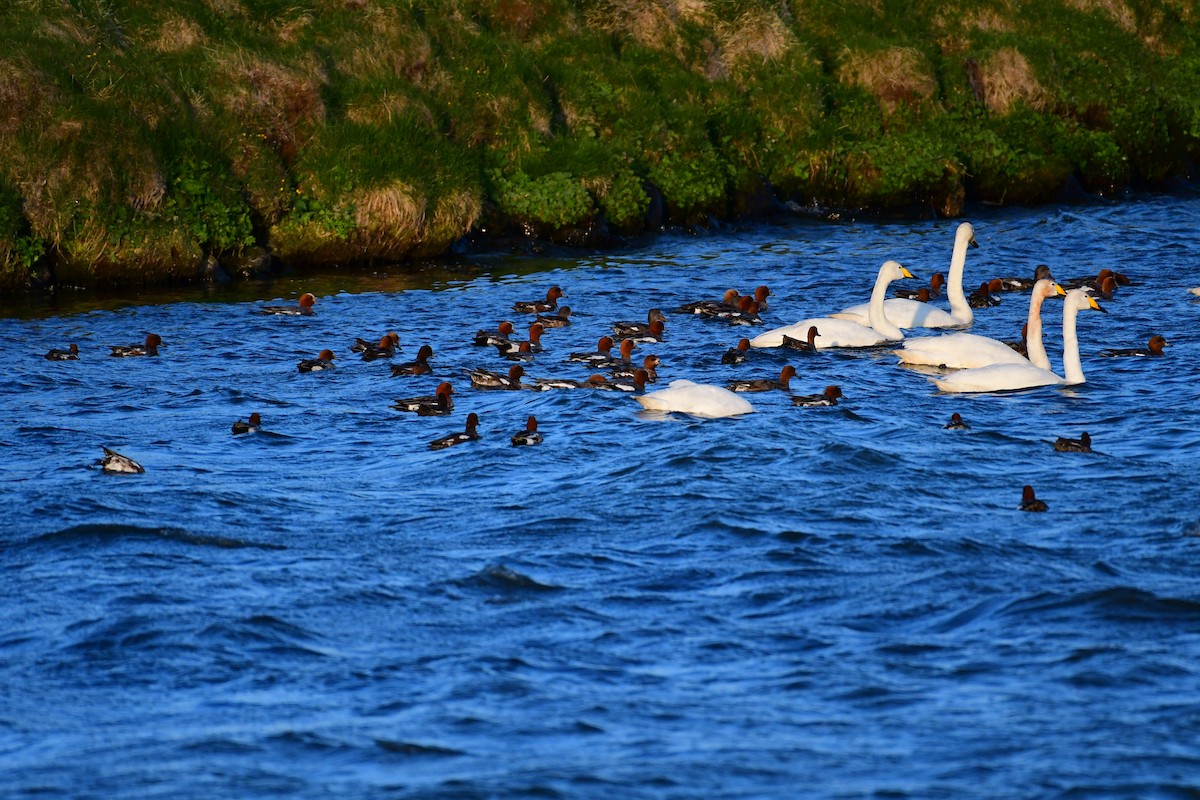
(915, 314)
(970, 350)
(1000, 377)
(697, 399)
(841, 332)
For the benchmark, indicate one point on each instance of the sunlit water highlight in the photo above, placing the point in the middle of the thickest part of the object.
(837, 602)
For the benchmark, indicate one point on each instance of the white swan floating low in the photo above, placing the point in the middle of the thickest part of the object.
(697, 399)
(841, 332)
(1002, 377)
(970, 350)
(913, 313)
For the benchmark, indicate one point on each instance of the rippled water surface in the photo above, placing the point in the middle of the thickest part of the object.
(837, 602)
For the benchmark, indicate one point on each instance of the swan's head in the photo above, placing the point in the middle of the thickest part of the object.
(1079, 299)
(1047, 288)
(966, 233)
(892, 271)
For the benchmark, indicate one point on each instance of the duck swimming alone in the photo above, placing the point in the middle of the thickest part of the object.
(540, 306)
(764, 384)
(323, 361)
(251, 426)
(829, 397)
(115, 462)
(439, 404)
(470, 434)
(1081, 445)
(956, 423)
(418, 367)
(303, 307)
(1031, 503)
(150, 348)
(1157, 343)
(70, 354)
(529, 436)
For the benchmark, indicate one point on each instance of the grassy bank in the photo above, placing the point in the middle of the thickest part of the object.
(145, 142)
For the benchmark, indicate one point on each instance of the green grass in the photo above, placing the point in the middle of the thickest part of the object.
(137, 140)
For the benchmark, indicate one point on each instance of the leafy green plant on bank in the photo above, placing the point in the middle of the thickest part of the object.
(557, 200)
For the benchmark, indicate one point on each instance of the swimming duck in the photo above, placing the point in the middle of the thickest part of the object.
(624, 330)
(984, 296)
(655, 333)
(303, 307)
(746, 313)
(115, 462)
(923, 295)
(535, 341)
(649, 366)
(70, 354)
(251, 426)
(761, 293)
(559, 320)
(498, 336)
(436, 405)
(360, 344)
(603, 353)
(829, 397)
(470, 434)
(324, 360)
(385, 348)
(1157, 343)
(540, 306)
(956, 423)
(1107, 288)
(529, 436)
(486, 379)
(1081, 445)
(150, 348)
(1094, 281)
(605, 385)
(698, 399)
(1002, 377)
(808, 345)
(764, 384)
(624, 359)
(728, 302)
(903, 313)
(1031, 503)
(1041, 272)
(736, 355)
(418, 367)
(844, 332)
(523, 353)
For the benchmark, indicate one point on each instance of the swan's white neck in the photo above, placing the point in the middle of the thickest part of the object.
(959, 307)
(876, 317)
(1034, 346)
(1072, 367)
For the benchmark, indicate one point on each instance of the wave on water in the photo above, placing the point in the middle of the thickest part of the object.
(106, 531)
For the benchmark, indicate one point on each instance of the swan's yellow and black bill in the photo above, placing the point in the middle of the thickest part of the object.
(1092, 302)
(1060, 291)
(904, 271)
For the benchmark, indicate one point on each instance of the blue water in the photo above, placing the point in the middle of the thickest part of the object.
(837, 602)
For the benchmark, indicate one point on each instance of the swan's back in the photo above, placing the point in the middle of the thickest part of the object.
(997, 378)
(904, 313)
(697, 399)
(958, 351)
(833, 333)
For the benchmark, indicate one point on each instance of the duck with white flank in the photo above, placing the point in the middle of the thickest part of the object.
(534, 342)
(1155, 349)
(736, 355)
(956, 423)
(602, 355)
(624, 330)
(561, 319)
(806, 345)
(470, 434)
(323, 361)
(385, 348)
(499, 336)
(529, 436)
(149, 348)
(70, 354)
(540, 306)
(486, 379)
(439, 404)
(829, 397)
